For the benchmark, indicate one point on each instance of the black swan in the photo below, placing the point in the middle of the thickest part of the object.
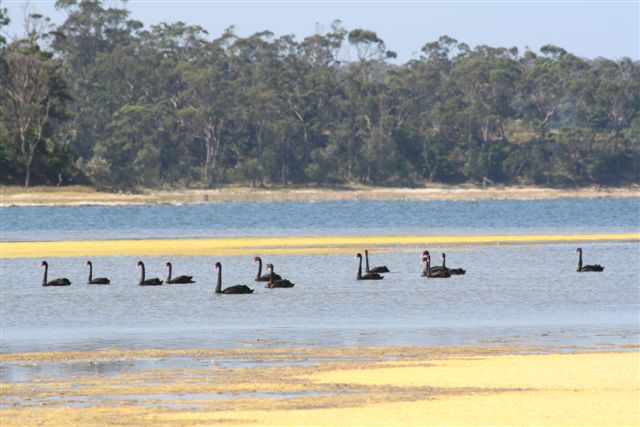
(97, 280)
(431, 269)
(56, 282)
(587, 268)
(382, 269)
(179, 279)
(366, 276)
(277, 283)
(443, 267)
(263, 277)
(148, 282)
(428, 272)
(451, 270)
(237, 289)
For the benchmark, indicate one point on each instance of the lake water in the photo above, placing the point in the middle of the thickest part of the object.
(524, 293)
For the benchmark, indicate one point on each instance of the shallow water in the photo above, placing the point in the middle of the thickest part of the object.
(520, 293)
(320, 218)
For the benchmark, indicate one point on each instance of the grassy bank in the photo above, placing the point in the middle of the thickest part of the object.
(489, 385)
(77, 195)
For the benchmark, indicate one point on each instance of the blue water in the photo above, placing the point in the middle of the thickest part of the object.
(522, 293)
(309, 218)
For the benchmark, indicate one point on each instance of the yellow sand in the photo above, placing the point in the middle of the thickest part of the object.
(426, 386)
(574, 389)
(269, 245)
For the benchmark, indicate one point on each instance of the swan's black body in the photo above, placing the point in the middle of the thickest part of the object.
(443, 267)
(451, 271)
(433, 269)
(263, 277)
(366, 276)
(381, 269)
(97, 280)
(179, 279)
(436, 274)
(587, 268)
(148, 282)
(237, 289)
(55, 282)
(277, 283)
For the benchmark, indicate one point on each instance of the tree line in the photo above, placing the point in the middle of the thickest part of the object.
(102, 99)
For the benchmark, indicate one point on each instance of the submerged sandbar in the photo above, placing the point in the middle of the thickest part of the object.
(483, 385)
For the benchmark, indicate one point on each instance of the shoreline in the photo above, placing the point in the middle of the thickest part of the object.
(88, 196)
(371, 386)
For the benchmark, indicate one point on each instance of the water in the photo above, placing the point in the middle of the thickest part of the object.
(524, 293)
(317, 218)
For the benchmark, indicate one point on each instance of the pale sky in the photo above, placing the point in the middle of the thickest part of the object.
(588, 29)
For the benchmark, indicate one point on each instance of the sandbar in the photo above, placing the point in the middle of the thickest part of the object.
(374, 386)
(234, 246)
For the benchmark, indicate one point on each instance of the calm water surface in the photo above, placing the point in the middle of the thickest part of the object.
(523, 293)
(317, 218)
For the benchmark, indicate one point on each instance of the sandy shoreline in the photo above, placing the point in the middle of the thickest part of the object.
(474, 385)
(78, 196)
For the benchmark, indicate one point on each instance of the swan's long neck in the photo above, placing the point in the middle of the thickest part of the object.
(359, 267)
(169, 276)
(90, 272)
(366, 260)
(219, 282)
(579, 260)
(271, 276)
(141, 272)
(428, 267)
(444, 258)
(259, 268)
(44, 278)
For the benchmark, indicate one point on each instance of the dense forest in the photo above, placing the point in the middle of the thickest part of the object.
(102, 99)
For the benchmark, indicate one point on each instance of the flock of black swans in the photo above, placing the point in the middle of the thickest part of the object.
(274, 280)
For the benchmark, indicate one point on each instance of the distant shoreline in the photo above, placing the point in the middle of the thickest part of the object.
(84, 195)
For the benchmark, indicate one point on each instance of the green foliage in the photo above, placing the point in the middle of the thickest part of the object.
(171, 106)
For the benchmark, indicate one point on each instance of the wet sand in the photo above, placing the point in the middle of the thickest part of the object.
(485, 385)
(274, 245)
(79, 195)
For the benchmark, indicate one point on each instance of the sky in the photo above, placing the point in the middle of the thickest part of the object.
(589, 29)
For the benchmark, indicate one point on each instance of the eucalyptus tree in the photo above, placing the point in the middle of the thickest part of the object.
(33, 94)
(4, 22)
(486, 78)
(85, 43)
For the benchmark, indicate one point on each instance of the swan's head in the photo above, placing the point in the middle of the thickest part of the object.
(87, 263)
(366, 251)
(425, 253)
(43, 263)
(217, 266)
(167, 264)
(578, 250)
(443, 255)
(358, 256)
(269, 266)
(139, 264)
(256, 260)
